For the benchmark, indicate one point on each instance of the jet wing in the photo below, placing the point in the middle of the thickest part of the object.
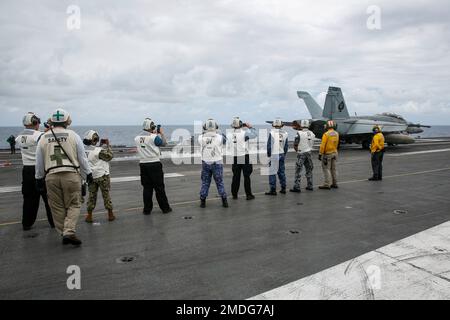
(362, 126)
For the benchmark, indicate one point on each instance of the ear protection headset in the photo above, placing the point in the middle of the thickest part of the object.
(91, 138)
(376, 129)
(30, 119)
(210, 124)
(148, 124)
(277, 123)
(331, 124)
(304, 123)
(237, 123)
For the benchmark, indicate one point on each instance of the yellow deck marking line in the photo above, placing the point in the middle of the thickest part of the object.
(97, 213)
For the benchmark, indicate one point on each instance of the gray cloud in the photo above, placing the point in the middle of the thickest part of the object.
(181, 60)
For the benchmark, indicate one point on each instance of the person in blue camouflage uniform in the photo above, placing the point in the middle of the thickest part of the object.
(212, 170)
(211, 143)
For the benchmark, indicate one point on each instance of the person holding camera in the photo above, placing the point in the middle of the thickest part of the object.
(27, 141)
(148, 146)
(60, 162)
(303, 144)
(277, 148)
(211, 142)
(98, 158)
(238, 147)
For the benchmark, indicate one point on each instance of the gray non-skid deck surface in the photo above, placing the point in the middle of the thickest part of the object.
(220, 253)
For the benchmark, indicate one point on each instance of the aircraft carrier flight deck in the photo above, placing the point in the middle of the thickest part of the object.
(323, 244)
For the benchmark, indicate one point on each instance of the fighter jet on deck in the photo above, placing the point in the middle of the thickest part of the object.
(355, 129)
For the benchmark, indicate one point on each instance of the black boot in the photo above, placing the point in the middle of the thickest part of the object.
(250, 197)
(202, 203)
(72, 239)
(271, 193)
(295, 190)
(283, 191)
(224, 202)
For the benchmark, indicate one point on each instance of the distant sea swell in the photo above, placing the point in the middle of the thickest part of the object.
(124, 135)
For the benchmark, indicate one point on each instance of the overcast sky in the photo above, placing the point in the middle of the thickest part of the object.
(178, 61)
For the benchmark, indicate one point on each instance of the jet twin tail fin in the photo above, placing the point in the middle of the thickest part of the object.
(335, 107)
(314, 109)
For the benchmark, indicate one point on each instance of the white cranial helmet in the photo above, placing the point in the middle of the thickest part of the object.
(148, 124)
(210, 125)
(277, 123)
(304, 123)
(60, 116)
(30, 119)
(91, 137)
(237, 123)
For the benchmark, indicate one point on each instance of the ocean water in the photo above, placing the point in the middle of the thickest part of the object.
(124, 135)
(120, 135)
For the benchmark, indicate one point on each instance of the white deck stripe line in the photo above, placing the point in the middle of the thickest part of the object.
(417, 267)
(418, 152)
(10, 189)
(113, 180)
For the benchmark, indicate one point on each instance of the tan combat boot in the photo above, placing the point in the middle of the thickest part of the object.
(111, 216)
(89, 218)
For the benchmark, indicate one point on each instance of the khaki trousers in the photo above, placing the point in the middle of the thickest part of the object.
(64, 198)
(329, 169)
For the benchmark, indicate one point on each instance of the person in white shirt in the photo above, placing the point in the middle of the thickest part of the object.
(238, 147)
(98, 158)
(211, 145)
(61, 163)
(27, 142)
(303, 145)
(152, 175)
(277, 148)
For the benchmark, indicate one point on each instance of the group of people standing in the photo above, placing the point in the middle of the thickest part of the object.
(57, 164)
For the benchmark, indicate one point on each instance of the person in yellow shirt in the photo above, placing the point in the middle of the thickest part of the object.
(377, 154)
(328, 155)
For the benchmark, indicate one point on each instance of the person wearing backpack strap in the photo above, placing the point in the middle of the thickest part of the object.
(61, 163)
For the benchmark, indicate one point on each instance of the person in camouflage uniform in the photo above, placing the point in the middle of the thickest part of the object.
(303, 144)
(211, 143)
(210, 170)
(303, 159)
(99, 159)
(104, 184)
